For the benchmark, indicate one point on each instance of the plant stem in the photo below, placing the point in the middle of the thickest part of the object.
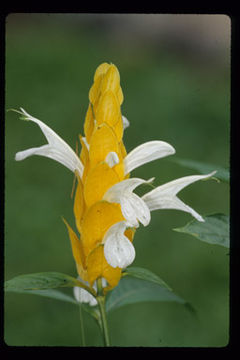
(82, 326)
(101, 304)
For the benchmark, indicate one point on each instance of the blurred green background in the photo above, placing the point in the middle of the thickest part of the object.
(175, 76)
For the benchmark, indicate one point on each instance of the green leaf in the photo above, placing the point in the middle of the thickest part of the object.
(203, 168)
(215, 229)
(42, 281)
(144, 274)
(52, 294)
(49, 293)
(140, 285)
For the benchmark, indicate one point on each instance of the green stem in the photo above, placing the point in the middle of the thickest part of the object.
(101, 303)
(82, 325)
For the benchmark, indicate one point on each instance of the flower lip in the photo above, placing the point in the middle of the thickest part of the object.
(118, 249)
(144, 153)
(164, 196)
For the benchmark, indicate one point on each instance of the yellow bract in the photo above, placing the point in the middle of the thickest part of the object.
(108, 110)
(97, 220)
(98, 267)
(103, 131)
(98, 181)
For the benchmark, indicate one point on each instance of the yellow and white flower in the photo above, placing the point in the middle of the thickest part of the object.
(107, 211)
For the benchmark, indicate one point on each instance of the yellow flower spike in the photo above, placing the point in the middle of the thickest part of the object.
(107, 211)
(98, 267)
(97, 220)
(98, 181)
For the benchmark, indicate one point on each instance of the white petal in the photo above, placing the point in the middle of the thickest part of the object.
(83, 296)
(112, 159)
(164, 196)
(145, 153)
(126, 123)
(133, 207)
(56, 149)
(115, 192)
(118, 249)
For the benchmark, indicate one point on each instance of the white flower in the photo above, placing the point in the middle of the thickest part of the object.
(164, 196)
(133, 207)
(83, 296)
(56, 149)
(118, 249)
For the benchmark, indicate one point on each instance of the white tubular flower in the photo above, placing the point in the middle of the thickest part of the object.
(83, 296)
(133, 207)
(164, 196)
(118, 249)
(145, 153)
(56, 149)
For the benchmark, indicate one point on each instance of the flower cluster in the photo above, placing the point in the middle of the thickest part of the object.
(107, 211)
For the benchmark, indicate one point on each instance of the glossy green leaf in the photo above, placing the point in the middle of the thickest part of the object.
(140, 285)
(215, 229)
(203, 168)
